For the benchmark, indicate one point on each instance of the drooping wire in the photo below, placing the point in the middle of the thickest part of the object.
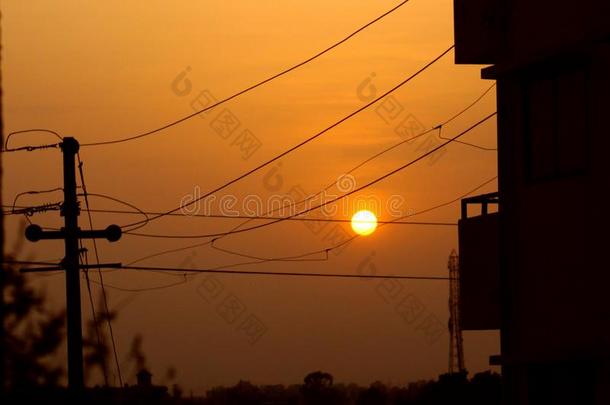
(309, 198)
(144, 289)
(263, 260)
(83, 257)
(396, 145)
(284, 273)
(440, 135)
(105, 196)
(331, 201)
(212, 242)
(252, 87)
(375, 156)
(328, 249)
(186, 275)
(312, 197)
(275, 220)
(302, 143)
(300, 257)
(350, 239)
(384, 151)
(30, 148)
(426, 210)
(27, 213)
(101, 277)
(263, 218)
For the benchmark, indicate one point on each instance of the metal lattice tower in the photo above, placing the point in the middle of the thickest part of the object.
(456, 348)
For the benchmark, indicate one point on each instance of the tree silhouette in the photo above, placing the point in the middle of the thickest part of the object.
(318, 389)
(96, 342)
(376, 394)
(33, 333)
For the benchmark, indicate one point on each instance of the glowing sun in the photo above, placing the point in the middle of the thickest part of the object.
(364, 222)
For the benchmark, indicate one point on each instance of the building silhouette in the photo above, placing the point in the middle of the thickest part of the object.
(144, 378)
(551, 62)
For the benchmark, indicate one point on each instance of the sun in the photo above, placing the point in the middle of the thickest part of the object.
(364, 222)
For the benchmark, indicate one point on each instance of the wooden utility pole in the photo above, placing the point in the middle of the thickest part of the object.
(70, 211)
(71, 234)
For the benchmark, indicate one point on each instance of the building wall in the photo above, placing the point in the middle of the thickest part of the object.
(553, 148)
(553, 139)
(551, 61)
(530, 29)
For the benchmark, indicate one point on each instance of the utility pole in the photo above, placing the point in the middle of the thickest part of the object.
(71, 234)
(70, 211)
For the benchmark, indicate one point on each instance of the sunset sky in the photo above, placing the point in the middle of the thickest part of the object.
(105, 70)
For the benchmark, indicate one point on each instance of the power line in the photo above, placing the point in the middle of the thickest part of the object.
(138, 210)
(467, 143)
(462, 112)
(294, 258)
(31, 210)
(93, 313)
(30, 148)
(287, 274)
(375, 156)
(263, 217)
(184, 273)
(28, 210)
(220, 216)
(280, 219)
(299, 145)
(384, 151)
(97, 261)
(256, 260)
(260, 260)
(143, 289)
(253, 217)
(252, 87)
(475, 102)
(211, 242)
(345, 242)
(370, 183)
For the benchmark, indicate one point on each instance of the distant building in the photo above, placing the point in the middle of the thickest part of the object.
(144, 378)
(551, 61)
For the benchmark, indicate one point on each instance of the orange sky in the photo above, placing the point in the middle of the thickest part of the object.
(101, 71)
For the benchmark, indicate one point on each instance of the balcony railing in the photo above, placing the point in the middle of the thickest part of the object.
(479, 264)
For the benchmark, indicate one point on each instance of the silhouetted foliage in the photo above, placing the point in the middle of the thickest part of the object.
(376, 394)
(96, 342)
(318, 388)
(33, 334)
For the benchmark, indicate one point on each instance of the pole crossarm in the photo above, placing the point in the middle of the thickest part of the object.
(62, 267)
(34, 233)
